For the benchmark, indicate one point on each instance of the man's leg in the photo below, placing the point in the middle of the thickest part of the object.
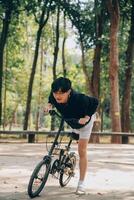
(82, 150)
(83, 162)
(84, 135)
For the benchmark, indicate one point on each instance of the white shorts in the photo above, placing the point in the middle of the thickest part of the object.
(85, 132)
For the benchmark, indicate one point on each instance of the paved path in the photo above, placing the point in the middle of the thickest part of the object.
(110, 173)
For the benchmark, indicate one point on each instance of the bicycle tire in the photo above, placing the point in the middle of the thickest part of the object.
(68, 170)
(38, 177)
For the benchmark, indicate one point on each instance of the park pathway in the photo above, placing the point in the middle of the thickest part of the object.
(110, 173)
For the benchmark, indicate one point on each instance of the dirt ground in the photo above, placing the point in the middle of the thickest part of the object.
(110, 173)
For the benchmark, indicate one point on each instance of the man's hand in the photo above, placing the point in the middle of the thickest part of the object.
(48, 107)
(84, 120)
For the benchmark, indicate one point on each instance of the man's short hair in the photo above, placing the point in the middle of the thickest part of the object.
(61, 84)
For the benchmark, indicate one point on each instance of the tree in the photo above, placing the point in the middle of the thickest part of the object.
(126, 101)
(43, 11)
(56, 50)
(56, 46)
(7, 7)
(113, 9)
(78, 13)
(95, 80)
(63, 46)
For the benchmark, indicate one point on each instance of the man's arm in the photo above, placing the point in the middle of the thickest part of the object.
(88, 105)
(92, 106)
(49, 105)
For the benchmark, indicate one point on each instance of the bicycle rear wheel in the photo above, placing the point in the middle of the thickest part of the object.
(38, 178)
(68, 170)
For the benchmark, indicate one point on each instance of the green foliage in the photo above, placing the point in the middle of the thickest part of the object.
(20, 48)
(38, 7)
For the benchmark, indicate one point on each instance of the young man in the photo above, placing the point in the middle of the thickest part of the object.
(72, 104)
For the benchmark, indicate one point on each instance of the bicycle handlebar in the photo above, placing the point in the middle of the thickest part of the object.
(53, 112)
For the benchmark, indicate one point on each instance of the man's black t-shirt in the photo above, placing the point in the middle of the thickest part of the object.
(78, 105)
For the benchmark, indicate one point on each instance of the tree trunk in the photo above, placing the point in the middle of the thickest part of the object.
(29, 96)
(95, 81)
(56, 50)
(125, 117)
(3, 39)
(42, 23)
(113, 8)
(63, 49)
(5, 90)
(40, 89)
(84, 67)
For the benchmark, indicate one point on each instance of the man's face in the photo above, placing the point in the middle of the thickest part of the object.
(61, 97)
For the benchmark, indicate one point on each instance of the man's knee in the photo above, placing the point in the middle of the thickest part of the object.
(82, 147)
(82, 152)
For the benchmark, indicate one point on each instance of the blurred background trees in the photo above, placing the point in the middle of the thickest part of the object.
(91, 42)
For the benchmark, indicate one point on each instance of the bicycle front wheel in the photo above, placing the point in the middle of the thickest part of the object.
(38, 178)
(68, 170)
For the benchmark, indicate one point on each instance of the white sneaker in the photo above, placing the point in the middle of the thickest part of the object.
(80, 190)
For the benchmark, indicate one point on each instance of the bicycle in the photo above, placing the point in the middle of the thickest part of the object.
(64, 165)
